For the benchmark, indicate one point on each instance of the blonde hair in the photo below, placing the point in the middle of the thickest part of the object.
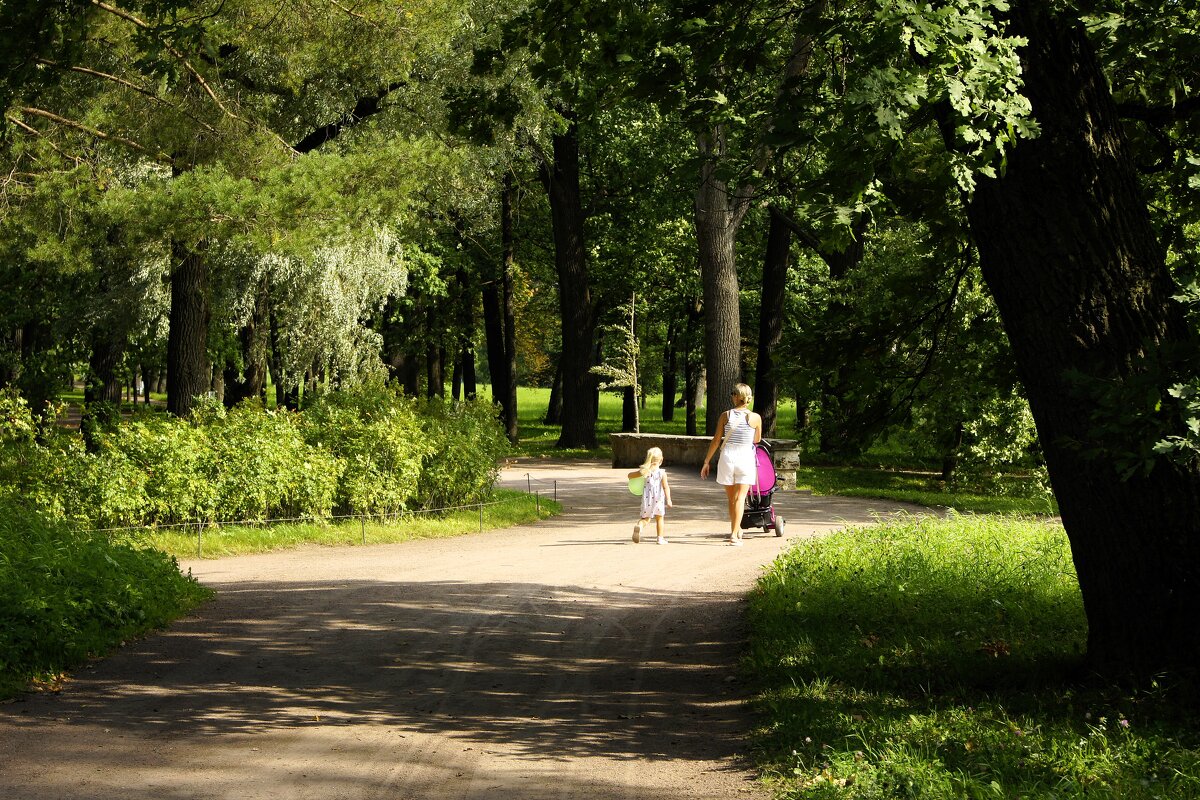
(654, 457)
(742, 392)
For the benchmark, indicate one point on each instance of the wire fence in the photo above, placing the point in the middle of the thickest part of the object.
(385, 518)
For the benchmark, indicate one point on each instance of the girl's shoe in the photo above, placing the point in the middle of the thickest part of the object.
(637, 533)
(735, 542)
(662, 540)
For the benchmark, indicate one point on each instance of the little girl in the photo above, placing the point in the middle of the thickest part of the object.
(656, 496)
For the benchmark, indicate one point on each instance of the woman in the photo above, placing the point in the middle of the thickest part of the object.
(737, 470)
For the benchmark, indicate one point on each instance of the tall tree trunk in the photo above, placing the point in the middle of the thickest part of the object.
(670, 379)
(1068, 251)
(508, 247)
(435, 372)
(493, 331)
(629, 411)
(577, 312)
(719, 212)
(770, 318)
(189, 374)
(464, 369)
(251, 380)
(554, 407)
(693, 367)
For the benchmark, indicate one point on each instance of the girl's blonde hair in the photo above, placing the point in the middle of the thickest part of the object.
(743, 393)
(654, 457)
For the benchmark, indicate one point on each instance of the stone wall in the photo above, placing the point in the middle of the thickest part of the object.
(629, 450)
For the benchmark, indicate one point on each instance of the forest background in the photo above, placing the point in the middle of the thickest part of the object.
(968, 228)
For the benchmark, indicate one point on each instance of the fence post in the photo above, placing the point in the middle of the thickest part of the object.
(528, 483)
(481, 517)
(199, 543)
(556, 490)
(537, 500)
(362, 524)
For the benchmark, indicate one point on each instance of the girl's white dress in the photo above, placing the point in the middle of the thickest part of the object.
(738, 464)
(654, 500)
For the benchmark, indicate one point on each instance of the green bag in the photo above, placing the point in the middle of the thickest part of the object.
(637, 485)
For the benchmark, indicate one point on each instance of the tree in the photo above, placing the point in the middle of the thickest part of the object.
(1069, 252)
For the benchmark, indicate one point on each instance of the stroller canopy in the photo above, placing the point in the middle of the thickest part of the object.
(765, 482)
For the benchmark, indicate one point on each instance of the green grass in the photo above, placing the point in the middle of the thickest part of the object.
(509, 508)
(1008, 495)
(931, 658)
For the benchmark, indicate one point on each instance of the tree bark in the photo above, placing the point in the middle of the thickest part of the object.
(189, 374)
(1068, 251)
(670, 379)
(770, 319)
(577, 311)
(693, 367)
(435, 372)
(719, 212)
(251, 380)
(508, 250)
(554, 407)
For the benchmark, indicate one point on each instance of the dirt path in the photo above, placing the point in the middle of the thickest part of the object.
(557, 660)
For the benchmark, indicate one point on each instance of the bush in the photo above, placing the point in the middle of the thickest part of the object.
(374, 430)
(370, 451)
(66, 596)
(462, 464)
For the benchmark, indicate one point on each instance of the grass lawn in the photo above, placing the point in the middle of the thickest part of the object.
(929, 658)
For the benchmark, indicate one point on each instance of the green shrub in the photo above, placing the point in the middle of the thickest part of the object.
(462, 464)
(374, 430)
(65, 596)
(260, 466)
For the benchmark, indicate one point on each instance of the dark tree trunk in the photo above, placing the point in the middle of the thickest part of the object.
(189, 374)
(1067, 248)
(719, 212)
(670, 379)
(554, 407)
(577, 312)
(770, 319)
(950, 459)
(629, 411)
(103, 382)
(693, 368)
(435, 372)
(493, 331)
(464, 363)
(251, 380)
(409, 368)
(507, 307)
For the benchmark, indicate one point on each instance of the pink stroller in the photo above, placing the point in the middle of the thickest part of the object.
(759, 513)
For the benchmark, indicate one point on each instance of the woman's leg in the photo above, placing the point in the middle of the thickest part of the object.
(736, 495)
(739, 507)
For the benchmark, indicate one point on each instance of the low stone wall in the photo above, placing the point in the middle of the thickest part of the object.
(629, 450)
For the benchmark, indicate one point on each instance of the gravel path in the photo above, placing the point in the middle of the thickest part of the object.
(556, 660)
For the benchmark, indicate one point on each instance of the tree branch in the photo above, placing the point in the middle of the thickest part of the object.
(125, 15)
(364, 107)
(1159, 115)
(79, 126)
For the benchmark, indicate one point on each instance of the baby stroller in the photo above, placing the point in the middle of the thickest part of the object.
(759, 513)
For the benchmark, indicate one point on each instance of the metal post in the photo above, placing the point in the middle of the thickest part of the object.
(556, 490)
(199, 543)
(362, 523)
(528, 484)
(537, 500)
(481, 517)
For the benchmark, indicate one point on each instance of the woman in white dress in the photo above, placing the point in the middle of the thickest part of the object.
(737, 470)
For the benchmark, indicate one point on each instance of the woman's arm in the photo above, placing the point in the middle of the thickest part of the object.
(756, 423)
(712, 446)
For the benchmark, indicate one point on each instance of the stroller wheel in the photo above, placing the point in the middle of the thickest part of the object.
(779, 526)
